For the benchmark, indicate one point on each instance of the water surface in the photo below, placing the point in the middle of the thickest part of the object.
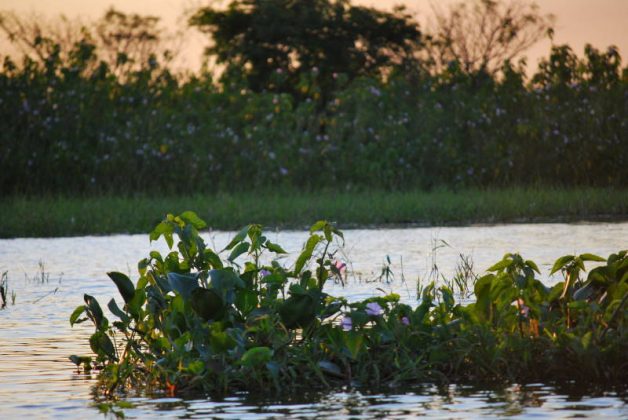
(37, 379)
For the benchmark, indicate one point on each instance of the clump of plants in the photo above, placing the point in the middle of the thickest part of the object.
(194, 320)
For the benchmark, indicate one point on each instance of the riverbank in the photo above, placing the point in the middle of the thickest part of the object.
(56, 216)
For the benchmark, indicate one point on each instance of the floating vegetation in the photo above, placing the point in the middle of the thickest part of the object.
(197, 321)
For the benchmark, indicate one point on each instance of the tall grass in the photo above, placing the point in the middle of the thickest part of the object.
(286, 208)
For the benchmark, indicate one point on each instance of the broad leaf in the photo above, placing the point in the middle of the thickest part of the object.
(183, 284)
(124, 284)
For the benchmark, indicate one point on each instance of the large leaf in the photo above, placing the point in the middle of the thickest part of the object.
(330, 368)
(306, 254)
(240, 249)
(115, 309)
(256, 356)
(183, 284)
(192, 218)
(206, 303)
(275, 248)
(101, 344)
(164, 228)
(297, 311)
(74, 318)
(238, 238)
(561, 262)
(591, 257)
(93, 310)
(124, 284)
(224, 280)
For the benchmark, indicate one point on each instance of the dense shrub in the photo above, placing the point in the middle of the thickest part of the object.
(71, 124)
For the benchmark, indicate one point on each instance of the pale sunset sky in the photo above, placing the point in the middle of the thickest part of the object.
(599, 22)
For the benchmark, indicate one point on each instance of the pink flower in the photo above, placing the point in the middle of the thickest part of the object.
(346, 323)
(374, 309)
(340, 266)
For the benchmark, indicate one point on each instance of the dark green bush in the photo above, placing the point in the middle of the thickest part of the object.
(72, 124)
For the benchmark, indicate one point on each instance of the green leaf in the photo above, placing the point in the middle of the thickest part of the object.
(93, 310)
(354, 341)
(533, 266)
(196, 367)
(330, 368)
(81, 360)
(183, 284)
(75, 315)
(256, 356)
(115, 309)
(274, 248)
(240, 249)
(192, 218)
(297, 311)
(238, 238)
(318, 226)
(101, 344)
(224, 280)
(307, 252)
(206, 303)
(124, 284)
(164, 228)
(561, 262)
(506, 262)
(591, 257)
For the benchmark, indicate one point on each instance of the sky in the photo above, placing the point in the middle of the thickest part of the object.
(598, 22)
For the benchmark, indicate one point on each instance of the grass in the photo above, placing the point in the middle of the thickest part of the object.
(62, 216)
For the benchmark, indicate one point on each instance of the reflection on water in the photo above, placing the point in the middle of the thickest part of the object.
(37, 379)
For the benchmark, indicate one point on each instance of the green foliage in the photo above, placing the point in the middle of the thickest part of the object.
(301, 47)
(74, 122)
(196, 321)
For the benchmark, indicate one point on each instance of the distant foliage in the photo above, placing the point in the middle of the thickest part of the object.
(282, 45)
(484, 34)
(73, 120)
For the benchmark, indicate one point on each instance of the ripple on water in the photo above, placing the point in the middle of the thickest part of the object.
(38, 380)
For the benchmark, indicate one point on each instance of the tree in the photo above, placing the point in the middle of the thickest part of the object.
(125, 42)
(484, 34)
(274, 44)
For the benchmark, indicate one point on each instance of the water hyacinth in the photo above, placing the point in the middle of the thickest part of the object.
(373, 309)
(233, 333)
(346, 323)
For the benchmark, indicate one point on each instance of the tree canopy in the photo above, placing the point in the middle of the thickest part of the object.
(275, 43)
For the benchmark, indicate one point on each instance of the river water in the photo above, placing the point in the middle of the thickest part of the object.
(50, 276)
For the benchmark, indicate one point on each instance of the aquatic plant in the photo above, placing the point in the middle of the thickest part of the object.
(194, 320)
(4, 291)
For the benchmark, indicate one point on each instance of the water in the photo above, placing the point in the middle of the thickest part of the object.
(38, 380)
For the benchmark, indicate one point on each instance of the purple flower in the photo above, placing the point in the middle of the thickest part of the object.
(346, 323)
(405, 320)
(264, 273)
(374, 309)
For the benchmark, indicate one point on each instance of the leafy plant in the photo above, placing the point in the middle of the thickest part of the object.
(197, 321)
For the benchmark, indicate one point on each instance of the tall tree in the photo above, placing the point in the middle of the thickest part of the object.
(275, 43)
(484, 34)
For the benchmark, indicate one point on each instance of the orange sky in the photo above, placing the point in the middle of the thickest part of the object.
(599, 22)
